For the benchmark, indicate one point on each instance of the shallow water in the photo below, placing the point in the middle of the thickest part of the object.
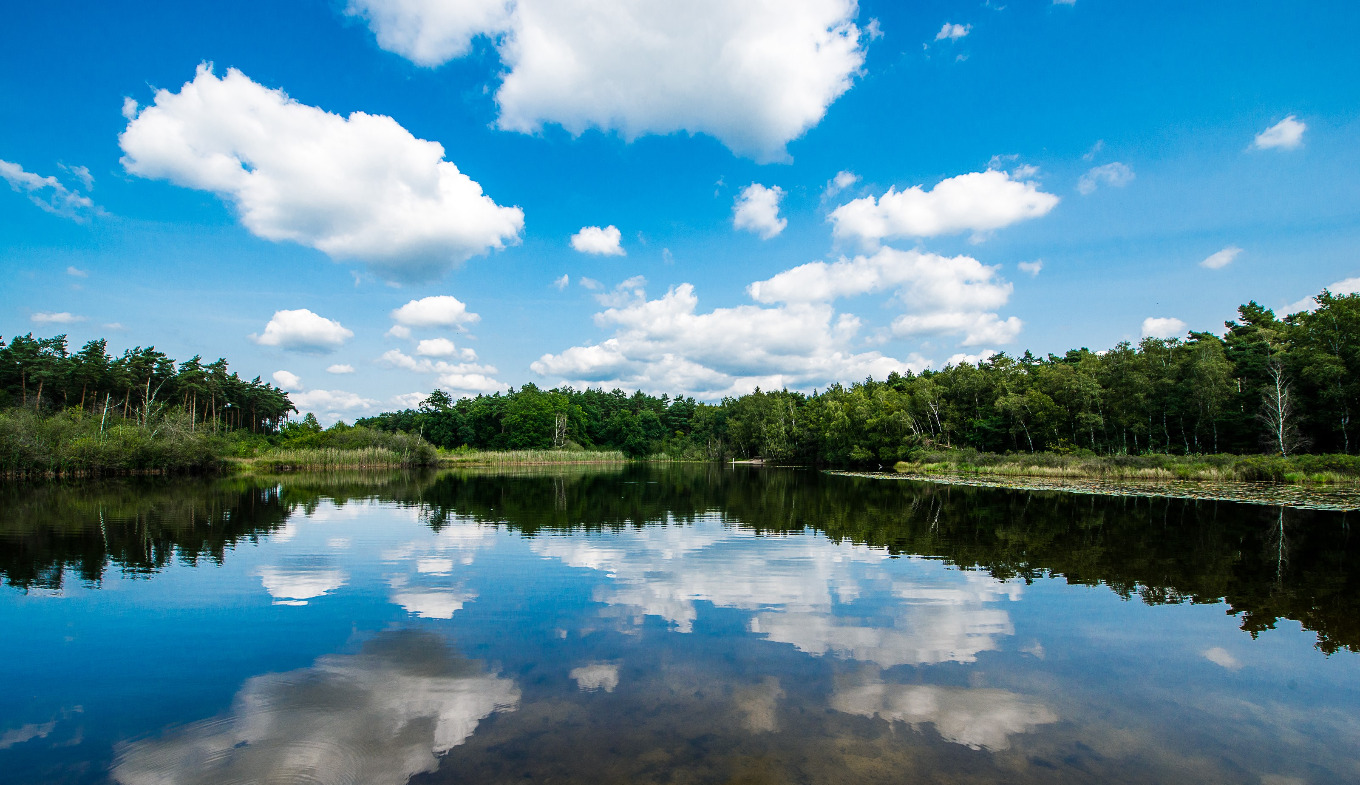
(669, 624)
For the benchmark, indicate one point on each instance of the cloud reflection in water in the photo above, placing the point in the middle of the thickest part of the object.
(376, 717)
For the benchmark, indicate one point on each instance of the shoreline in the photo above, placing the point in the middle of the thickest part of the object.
(1305, 497)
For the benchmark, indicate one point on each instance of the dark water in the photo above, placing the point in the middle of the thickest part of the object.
(669, 625)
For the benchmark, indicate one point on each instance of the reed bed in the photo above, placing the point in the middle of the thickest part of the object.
(330, 458)
(529, 457)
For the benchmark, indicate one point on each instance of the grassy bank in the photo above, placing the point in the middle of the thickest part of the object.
(76, 443)
(1296, 469)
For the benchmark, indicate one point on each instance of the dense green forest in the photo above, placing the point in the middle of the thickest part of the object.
(43, 373)
(1266, 385)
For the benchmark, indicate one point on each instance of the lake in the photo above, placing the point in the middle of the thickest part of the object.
(668, 624)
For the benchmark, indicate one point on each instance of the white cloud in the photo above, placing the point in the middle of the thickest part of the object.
(81, 173)
(432, 32)
(409, 400)
(590, 283)
(296, 585)
(666, 345)
(953, 32)
(840, 182)
(340, 368)
(949, 295)
(971, 359)
(287, 380)
(303, 331)
(1163, 327)
(598, 241)
(1064, 2)
(438, 311)
(977, 202)
(76, 272)
(399, 331)
(1090, 155)
(360, 187)
(756, 210)
(1286, 134)
(1221, 259)
(1033, 268)
(754, 75)
(560, 284)
(1222, 658)
(62, 317)
(436, 347)
(975, 718)
(379, 717)
(597, 676)
(1310, 304)
(48, 193)
(1115, 175)
(464, 377)
(332, 403)
(976, 328)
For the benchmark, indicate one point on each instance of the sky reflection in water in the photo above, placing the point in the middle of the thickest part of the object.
(663, 625)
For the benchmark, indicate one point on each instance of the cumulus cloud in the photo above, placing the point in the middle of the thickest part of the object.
(754, 75)
(466, 377)
(666, 344)
(61, 317)
(441, 310)
(380, 717)
(976, 718)
(1033, 268)
(1310, 303)
(560, 284)
(48, 193)
(432, 32)
(287, 380)
(1114, 175)
(340, 368)
(598, 241)
(303, 331)
(1163, 327)
(332, 404)
(756, 210)
(953, 32)
(1220, 259)
(977, 328)
(436, 347)
(840, 182)
(358, 187)
(945, 295)
(597, 676)
(1285, 135)
(976, 202)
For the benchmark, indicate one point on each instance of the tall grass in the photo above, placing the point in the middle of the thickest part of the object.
(1298, 469)
(466, 457)
(285, 459)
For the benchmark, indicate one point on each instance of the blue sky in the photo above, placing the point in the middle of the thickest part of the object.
(782, 193)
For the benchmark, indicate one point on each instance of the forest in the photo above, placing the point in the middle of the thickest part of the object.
(1265, 386)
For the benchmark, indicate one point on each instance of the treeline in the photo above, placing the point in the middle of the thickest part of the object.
(44, 375)
(1266, 385)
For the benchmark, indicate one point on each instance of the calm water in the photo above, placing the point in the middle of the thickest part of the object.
(670, 625)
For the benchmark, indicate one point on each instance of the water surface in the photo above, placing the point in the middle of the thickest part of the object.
(670, 625)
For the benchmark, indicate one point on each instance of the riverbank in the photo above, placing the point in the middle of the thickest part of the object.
(1295, 469)
(1343, 497)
